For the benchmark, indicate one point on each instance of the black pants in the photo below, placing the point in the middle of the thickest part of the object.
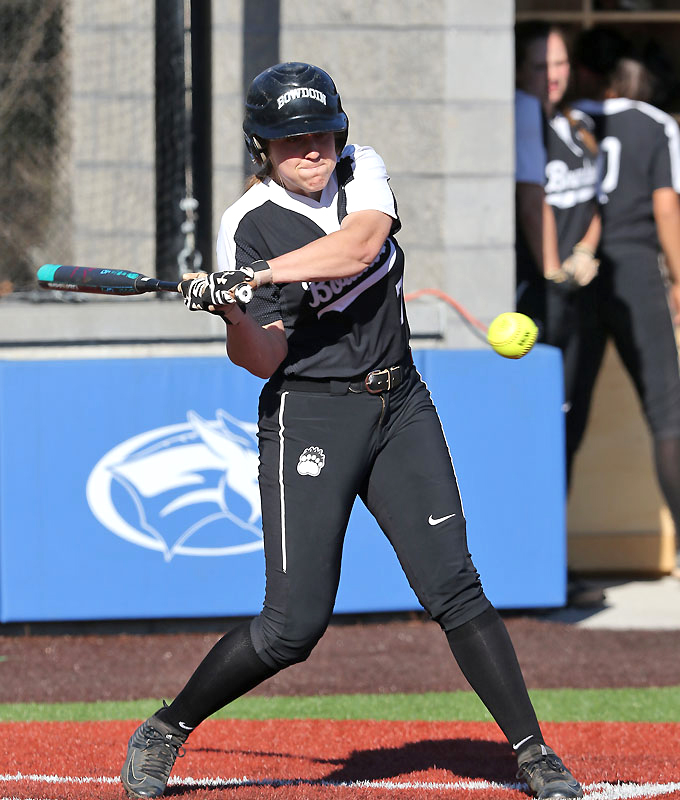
(318, 452)
(627, 302)
(560, 316)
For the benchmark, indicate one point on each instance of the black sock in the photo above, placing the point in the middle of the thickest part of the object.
(229, 670)
(486, 656)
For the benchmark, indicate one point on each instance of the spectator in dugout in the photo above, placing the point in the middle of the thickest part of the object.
(636, 297)
(552, 278)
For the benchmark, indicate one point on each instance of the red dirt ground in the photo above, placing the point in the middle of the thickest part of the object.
(389, 656)
(339, 759)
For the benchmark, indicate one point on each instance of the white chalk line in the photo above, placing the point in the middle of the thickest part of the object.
(592, 791)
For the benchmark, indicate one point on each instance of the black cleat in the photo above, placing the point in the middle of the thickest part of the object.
(152, 751)
(546, 775)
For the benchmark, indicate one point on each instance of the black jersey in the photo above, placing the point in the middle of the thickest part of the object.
(335, 328)
(641, 146)
(571, 181)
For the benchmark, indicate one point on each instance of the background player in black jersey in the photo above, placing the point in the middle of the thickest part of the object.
(343, 413)
(554, 298)
(640, 221)
(554, 292)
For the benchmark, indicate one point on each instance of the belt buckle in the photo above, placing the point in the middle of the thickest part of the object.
(382, 383)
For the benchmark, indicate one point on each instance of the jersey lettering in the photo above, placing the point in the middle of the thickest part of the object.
(561, 178)
(323, 291)
(566, 187)
(338, 294)
(611, 146)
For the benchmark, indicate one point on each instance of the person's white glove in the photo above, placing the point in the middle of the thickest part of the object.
(558, 276)
(581, 265)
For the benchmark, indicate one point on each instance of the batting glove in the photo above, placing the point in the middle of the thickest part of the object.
(581, 266)
(192, 290)
(208, 292)
(560, 277)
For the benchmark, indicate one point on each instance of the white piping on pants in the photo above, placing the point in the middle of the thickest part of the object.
(282, 497)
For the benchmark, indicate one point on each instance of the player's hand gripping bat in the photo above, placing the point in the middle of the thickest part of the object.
(98, 280)
(204, 292)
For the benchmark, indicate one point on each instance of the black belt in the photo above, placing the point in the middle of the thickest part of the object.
(376, 382)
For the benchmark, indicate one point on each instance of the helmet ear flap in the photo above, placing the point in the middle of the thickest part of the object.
(261, 150)
(257, 150)
(341, 136)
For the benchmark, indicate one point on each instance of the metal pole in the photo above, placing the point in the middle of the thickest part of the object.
(170, 135)
(261, 28)
(201, 145)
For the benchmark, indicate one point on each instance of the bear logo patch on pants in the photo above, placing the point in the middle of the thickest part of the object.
(311, 461)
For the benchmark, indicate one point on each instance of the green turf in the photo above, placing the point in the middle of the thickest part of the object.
(625, 705)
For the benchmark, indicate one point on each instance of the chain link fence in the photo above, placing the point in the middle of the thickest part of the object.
(93, 165)
(35, 208)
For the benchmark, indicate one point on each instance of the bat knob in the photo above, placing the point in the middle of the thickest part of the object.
(243, 293)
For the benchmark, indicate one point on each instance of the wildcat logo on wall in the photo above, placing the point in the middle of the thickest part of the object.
(189, 489)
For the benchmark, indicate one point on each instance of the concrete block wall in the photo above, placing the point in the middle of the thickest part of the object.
(227, 143)
(112, 117)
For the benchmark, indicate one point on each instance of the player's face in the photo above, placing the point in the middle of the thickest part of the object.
(545, 71)
(558, 68)
(304, 164)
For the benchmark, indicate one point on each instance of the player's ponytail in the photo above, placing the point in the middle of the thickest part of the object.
(265, 171)
(631, 79)
(581, 131)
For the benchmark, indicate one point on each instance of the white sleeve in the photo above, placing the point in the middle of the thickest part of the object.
(530, 156)
(672, 132)
(369, 188)
(226, 248)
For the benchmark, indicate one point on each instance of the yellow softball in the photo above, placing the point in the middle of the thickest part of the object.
(512, 335)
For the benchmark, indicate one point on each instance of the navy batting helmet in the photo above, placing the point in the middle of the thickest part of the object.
(291, 99)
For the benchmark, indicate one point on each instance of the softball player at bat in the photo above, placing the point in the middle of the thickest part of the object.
(343, 414)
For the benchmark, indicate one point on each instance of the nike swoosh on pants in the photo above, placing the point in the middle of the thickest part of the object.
(432, 521)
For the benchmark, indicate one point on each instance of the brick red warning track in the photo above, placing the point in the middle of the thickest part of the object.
(308, 759)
